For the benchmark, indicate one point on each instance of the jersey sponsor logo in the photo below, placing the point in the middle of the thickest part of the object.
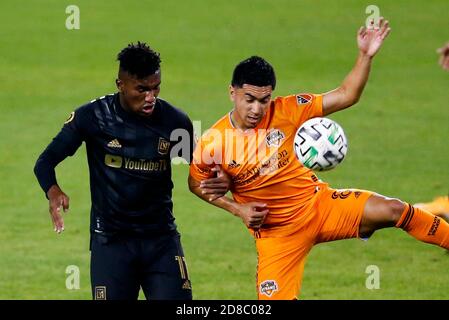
(70, 118)
(269, 166)
(114, 144)
(100, 293)
(115, 161)
(145, 165)
(274, 163)
(274, 138)
(163, 146)
(268, 287)
(357, 194)
(303, 98)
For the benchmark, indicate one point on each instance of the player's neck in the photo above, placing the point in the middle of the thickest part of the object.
(123, 104)
(235, 123)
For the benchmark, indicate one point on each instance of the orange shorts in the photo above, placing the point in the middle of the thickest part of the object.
(335, 214)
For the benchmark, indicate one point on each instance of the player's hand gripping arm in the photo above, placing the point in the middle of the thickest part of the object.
(218, 186)
(369, 41)
(252, 213)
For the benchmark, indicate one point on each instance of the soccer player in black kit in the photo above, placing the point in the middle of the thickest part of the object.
(130, 138)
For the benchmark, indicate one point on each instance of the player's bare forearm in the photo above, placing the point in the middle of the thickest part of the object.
(369, 41)
(252, 213)
(351, 88)
(355, 81)
(223, 202)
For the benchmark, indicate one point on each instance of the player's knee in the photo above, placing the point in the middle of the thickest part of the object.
(395, 208)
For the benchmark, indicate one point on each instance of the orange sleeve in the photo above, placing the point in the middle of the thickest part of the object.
(199, 170)
(207, 153)
(302, 107)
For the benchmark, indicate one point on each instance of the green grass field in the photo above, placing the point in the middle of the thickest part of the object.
(397, 133)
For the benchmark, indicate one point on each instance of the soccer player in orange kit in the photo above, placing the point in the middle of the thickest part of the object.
(284, 205)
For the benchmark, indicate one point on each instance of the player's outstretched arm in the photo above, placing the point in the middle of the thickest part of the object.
(369, 41)
(253, 213)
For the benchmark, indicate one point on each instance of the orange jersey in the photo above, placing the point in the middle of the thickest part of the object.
(262, 161)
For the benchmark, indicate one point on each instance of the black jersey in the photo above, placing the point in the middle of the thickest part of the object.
(129, 160)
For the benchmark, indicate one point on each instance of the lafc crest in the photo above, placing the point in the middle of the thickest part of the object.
(163, 146)
(100, 293)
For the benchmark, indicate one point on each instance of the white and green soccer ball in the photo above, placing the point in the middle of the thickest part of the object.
(320, 144)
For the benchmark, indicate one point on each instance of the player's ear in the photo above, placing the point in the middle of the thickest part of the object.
(232, 93)
(119, 84)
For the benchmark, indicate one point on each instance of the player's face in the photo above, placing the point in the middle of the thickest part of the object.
(250, 104)
(139, 95)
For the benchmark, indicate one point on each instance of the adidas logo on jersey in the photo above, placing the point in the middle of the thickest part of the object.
(114, 144)
(234, 164)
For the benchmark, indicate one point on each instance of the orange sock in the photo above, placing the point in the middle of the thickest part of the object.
(424, 226)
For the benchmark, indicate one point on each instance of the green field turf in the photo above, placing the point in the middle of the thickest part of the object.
(398, 133)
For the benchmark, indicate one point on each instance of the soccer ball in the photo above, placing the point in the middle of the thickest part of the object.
(320, 144)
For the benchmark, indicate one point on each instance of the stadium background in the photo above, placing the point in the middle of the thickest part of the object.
(397, 133)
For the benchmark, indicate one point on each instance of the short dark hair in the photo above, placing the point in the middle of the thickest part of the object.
(255, 71)
(139, 60)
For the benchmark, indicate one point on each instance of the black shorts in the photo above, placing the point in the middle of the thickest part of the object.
(120, 266)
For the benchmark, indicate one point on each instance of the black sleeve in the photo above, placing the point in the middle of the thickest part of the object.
(188, 141)
(189, 126)
(63, 145)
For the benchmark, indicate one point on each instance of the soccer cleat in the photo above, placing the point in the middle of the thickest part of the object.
(439, 206)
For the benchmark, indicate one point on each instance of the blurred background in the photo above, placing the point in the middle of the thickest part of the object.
(397, 133)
